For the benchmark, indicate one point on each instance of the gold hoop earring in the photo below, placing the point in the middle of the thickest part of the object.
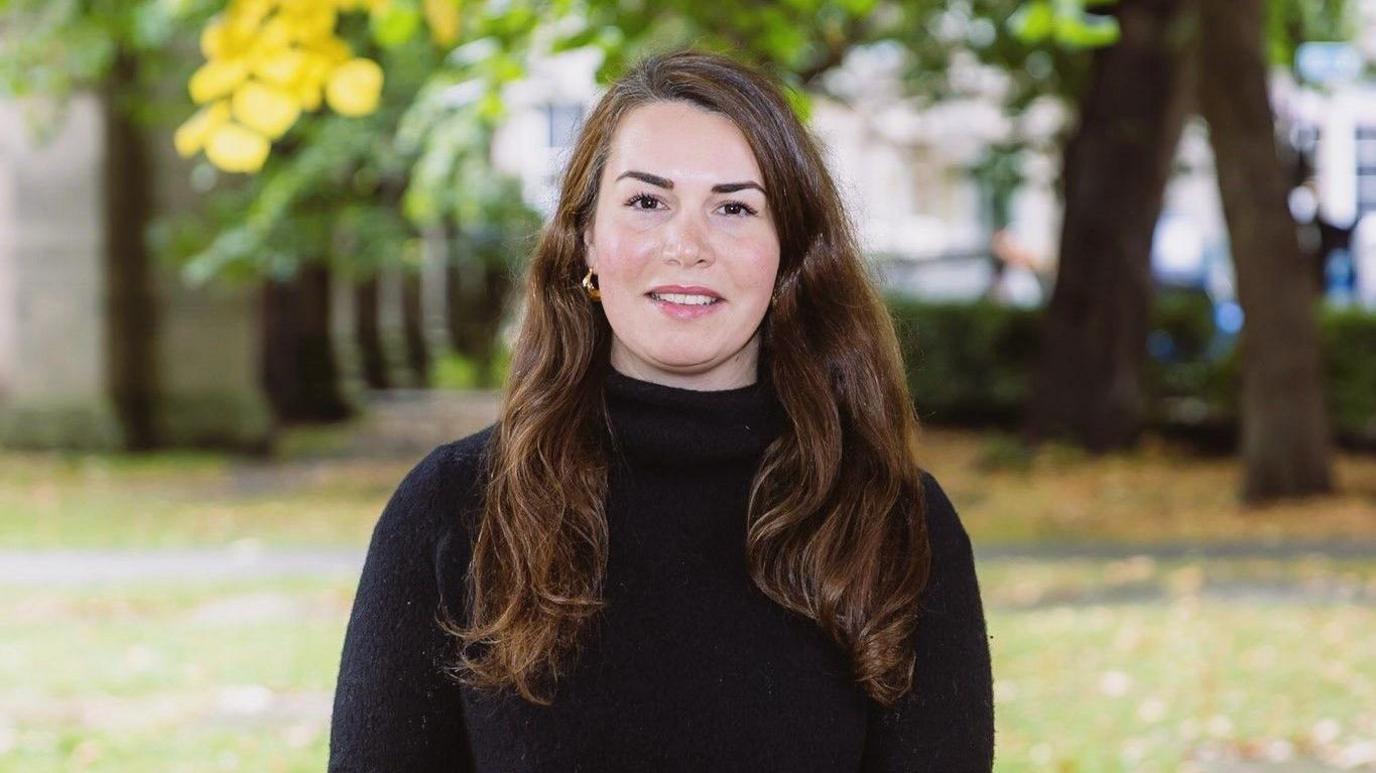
(593, 292)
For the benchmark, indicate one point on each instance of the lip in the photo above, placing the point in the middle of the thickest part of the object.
(689, 289)
(683, 311)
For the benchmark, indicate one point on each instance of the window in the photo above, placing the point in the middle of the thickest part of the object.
(562, 121)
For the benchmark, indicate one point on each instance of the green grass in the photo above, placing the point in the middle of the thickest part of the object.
(1148, 687)
(179, 499)
(312, 494)
(187, 676)
(238, 675)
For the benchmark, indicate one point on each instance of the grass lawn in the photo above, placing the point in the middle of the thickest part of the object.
(1100, 665)
(1160, 493)
(239, 676)
(223, 676)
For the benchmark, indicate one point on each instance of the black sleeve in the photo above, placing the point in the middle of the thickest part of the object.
(392, 709)
(946, 723)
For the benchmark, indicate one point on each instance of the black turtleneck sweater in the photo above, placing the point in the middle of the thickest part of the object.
(693, 668)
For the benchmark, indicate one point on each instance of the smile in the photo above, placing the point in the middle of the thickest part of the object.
(685, 306)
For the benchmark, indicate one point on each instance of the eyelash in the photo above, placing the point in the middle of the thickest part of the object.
(748, 210)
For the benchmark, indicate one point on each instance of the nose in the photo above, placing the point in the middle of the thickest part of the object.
(686, 241)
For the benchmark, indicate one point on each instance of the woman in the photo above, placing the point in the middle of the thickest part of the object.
(698, 537)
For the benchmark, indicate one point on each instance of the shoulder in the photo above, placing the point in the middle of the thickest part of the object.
(435, 488)
(943, 522)
(471, 449)
(449, 466)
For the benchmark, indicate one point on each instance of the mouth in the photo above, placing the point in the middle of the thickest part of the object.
(684, 306)
(685, 299)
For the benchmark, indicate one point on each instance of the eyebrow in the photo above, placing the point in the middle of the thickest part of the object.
(668, 184)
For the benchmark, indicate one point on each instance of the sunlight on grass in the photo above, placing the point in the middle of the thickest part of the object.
(149, 676)
(240, 675)
(172, 500)
(1162, 492)
(1137, 663)
(1152, 687)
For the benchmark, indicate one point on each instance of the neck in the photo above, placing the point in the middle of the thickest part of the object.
(741, 369)
(660, 425)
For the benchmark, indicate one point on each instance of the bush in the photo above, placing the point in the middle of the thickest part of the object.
(967, 362)
(971, 363)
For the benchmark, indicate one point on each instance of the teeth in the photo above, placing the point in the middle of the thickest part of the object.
(683, 298)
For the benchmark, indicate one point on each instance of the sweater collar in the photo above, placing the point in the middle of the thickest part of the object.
(664, 426)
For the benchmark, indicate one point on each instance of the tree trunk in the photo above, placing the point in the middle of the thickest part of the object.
(476, 291)
(132, 298)
(413, 329)
(367, 334)
(300, 374)
(1087, 386)
(1284, 434)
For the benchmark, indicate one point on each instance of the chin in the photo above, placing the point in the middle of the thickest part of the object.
(684, 364)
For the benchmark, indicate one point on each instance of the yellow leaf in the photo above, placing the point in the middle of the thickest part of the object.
(308, 94)
(235, 148)
(190, 136)
(265, 109)
(332, 49)
(316, 66)
(311, 81)
(216, 78)
(214, 44)
(371, 6)
(312, 24)
(442, 16)
(275, 35)
(354, 87)
(282, 67)
(250, 12)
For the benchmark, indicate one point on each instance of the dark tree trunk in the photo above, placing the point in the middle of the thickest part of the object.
(300, 374)
(413, 329)
(475, 294)
(1087, 385)
(131, 332)
(367, 333)
(1285, 434)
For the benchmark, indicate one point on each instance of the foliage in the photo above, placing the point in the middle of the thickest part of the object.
(51, 48)
(1292, 22)
(972, 363)
(267, 61)
(1066, 22)
(422, 133)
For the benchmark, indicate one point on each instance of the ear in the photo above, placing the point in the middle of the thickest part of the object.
(588, 256)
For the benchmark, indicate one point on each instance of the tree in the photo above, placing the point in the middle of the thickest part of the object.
(1285, 441)
(124, 53)
(1088, 382)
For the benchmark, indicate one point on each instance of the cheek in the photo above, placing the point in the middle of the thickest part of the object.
(621, 255)
(761, 266)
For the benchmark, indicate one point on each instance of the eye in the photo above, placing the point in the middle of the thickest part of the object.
(642, 197)
(746, 208)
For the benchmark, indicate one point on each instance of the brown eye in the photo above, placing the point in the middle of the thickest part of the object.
(744, 208)
(641, 197)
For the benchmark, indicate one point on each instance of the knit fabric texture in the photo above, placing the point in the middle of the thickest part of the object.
(690, 667)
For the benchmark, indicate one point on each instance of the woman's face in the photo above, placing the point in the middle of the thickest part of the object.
(682, 203)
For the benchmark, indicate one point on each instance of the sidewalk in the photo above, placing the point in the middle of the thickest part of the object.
(250, 560)
(239, 561)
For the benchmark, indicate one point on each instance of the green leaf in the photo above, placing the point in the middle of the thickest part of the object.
(396, 24)
(1087, 32)
(1033, 22)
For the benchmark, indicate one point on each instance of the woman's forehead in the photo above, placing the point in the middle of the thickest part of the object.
(683, 144)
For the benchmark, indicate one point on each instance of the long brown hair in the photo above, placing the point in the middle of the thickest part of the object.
(836, 527)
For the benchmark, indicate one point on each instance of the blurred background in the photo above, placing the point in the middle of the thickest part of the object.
(258, 257)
